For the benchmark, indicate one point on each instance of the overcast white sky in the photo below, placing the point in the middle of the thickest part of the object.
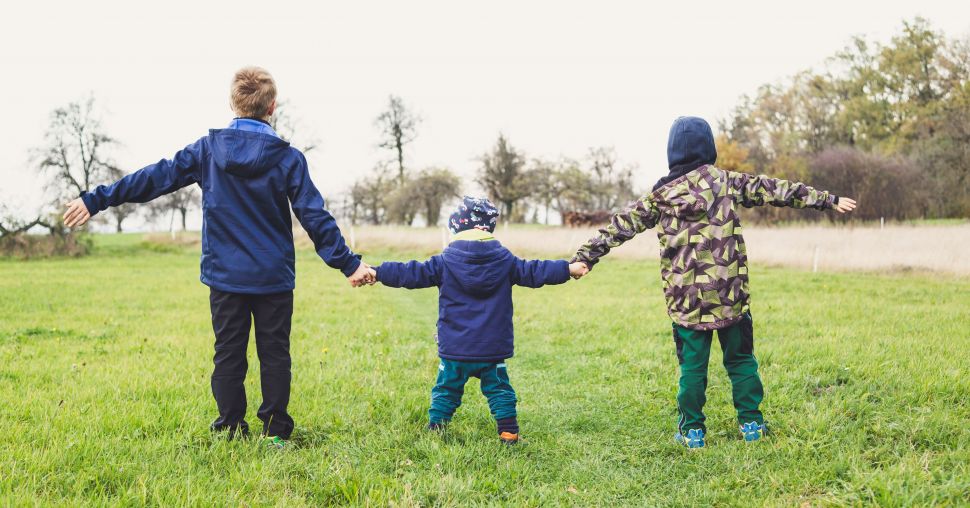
(555, 76)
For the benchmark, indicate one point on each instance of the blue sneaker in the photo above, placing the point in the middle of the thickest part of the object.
(694, 438)
(751, 431)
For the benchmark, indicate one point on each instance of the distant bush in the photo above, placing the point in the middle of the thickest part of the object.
(893, 187)
(57, 243)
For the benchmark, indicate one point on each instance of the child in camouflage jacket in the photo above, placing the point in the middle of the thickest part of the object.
(704, 266)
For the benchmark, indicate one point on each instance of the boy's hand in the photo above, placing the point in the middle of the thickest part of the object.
(364, 275)
(77, 213)
(578, 269)
(845, 205)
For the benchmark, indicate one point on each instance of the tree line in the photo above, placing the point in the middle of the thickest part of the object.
(525, 189)
(888, 123)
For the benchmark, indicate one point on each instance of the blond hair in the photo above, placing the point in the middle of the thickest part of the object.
(253, 92)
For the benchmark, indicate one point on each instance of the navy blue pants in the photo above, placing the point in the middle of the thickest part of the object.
(233, 314)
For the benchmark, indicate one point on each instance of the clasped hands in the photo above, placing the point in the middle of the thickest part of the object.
(578, 269)
(364, 275)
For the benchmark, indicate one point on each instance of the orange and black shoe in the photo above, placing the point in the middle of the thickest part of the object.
(508, 438)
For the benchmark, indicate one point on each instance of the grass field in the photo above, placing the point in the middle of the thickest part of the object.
(104, 393)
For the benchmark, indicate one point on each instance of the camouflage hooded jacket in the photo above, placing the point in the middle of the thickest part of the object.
(702, 255)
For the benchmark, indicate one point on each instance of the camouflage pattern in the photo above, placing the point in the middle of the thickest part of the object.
(703, 262)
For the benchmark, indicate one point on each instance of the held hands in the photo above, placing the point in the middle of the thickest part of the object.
(578, 269)
(845, 205)
(77, 213)
(365, 274)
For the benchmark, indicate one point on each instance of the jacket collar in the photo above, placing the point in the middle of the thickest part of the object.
(252, 125)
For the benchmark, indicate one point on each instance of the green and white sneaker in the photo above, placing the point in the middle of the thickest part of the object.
(275, 442)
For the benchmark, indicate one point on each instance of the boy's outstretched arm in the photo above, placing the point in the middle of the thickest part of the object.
(535, 273)
(144, 185)
(308, 206)
(751, 190)
(410, 275)
(635, 219)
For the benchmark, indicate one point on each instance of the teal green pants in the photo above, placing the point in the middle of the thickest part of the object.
(693, 353)
(452, 376)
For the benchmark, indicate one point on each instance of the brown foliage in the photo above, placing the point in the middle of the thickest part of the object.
(890, 187)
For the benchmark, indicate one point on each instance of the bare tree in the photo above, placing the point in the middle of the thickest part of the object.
(398, 128)
(75, 146)
(433, 187)
(11, 226)
(368, 197)
(76, 154)
(289, 128)
(503, 177)
(179, 202)
(400, 202)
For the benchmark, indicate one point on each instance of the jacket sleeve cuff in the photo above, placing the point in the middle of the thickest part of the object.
(831, 201)
(582, 259)
(565, 269)
(351, 266)
(88, 200)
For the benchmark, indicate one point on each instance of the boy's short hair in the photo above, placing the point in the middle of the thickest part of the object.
(253, 92)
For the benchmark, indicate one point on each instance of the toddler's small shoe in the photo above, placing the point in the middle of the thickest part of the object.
(751, 431)
(693, 439)
(436, 427)
(508, 438)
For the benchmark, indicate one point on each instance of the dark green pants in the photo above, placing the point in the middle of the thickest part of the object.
(693, 353)
(452, 376)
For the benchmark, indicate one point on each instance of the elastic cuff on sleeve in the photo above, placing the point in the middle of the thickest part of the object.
(352, 266)
(88, 200)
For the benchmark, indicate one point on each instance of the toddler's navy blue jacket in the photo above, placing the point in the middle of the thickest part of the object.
(248, 180)
(474, 280)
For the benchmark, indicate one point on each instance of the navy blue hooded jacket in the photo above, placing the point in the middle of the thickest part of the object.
(690, 145)
(474, 280)
(248, 181)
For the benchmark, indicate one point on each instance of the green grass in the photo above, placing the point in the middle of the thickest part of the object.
(104, 394)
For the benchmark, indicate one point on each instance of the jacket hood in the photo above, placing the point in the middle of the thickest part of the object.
(690, 145)
(246, 154)
(480, 267)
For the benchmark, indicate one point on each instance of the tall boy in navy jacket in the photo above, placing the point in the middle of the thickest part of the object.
(474, 275)
(249, 178)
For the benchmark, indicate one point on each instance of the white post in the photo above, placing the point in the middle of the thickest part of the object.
(171, 224)
(815, 260)
(444, 238)
(353, 238)
(882, 223)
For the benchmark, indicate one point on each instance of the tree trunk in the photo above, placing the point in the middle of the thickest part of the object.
(184, 212)
(400, 161)
(118, 225)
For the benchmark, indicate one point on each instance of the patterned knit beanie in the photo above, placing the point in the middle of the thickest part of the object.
(473, 212)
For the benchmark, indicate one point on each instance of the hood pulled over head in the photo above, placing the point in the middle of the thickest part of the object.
(690, 145)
